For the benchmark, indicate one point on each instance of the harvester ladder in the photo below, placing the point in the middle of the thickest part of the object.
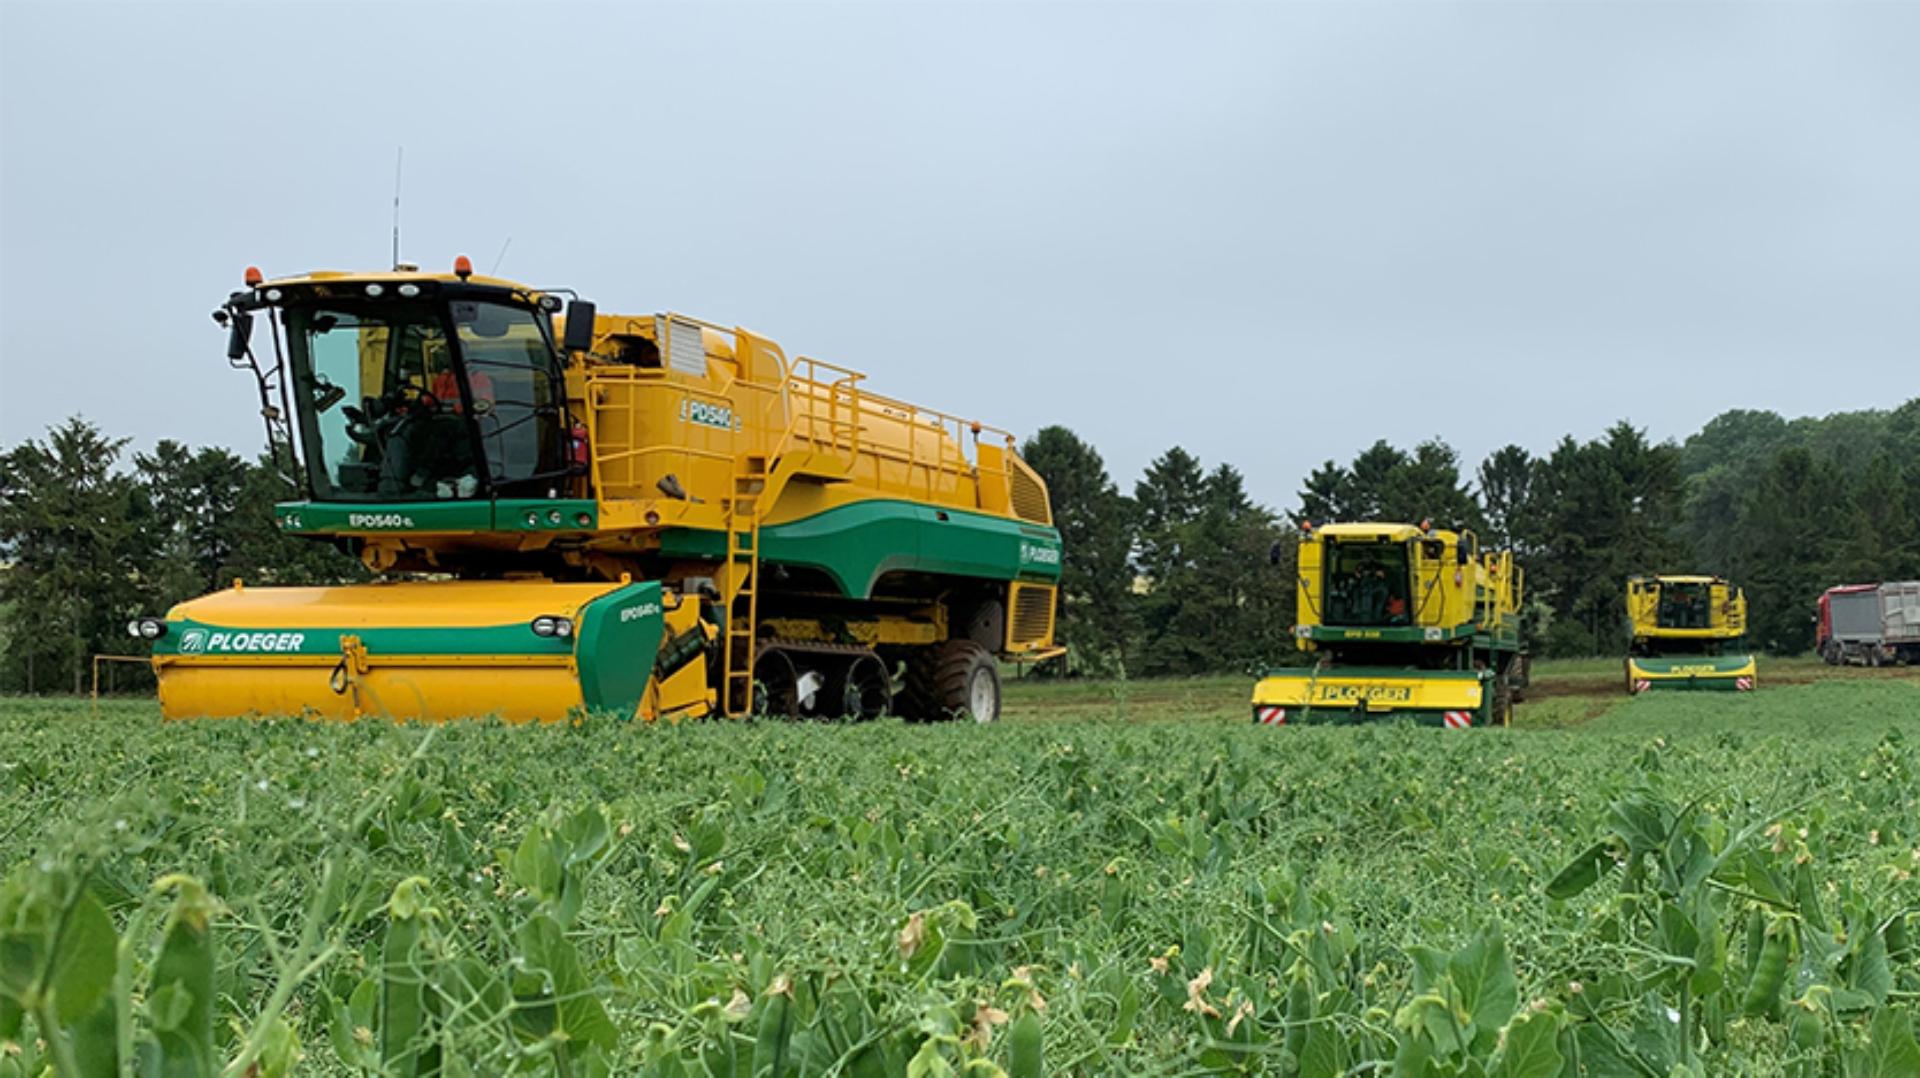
(742, 583)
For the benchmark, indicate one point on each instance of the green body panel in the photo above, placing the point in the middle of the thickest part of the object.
(1409, 673)
(468, 515)
(616, 640)
(1692, 673)
(857, 544)
(189, 637)
(1504, 638)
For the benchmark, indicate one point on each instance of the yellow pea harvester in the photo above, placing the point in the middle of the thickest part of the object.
(1687, 632)
(649, 515)
(1405, 622)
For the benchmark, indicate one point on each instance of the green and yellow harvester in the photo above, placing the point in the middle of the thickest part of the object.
(1404, 622)
(1687, 632)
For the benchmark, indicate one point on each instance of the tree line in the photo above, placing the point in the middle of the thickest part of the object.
(1173, 578)
(92, 537)
(1177, 576)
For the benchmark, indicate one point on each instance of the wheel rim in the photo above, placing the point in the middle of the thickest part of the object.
(869, 692)
(982, 702)
(774, 677)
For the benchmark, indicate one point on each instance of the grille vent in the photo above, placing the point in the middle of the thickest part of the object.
(1029, 493)
(1032, 615)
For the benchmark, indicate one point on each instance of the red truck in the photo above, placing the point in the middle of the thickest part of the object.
(1871, 624)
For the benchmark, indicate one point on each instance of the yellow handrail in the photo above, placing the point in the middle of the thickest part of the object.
(837, 407)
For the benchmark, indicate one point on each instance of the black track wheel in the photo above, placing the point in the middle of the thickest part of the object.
(954, 679)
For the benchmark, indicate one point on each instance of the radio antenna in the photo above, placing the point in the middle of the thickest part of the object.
(399, 158)
(502, 257)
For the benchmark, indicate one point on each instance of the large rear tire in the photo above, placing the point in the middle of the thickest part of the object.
(958, 678)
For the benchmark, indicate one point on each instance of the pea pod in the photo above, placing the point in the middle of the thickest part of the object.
(1898, 943)
(770, 1044)
(401, 991)
(1026, 1059)
(1807, 1032)
(1769, 972)
(1807, 897)
(180, 994)
(1299, 1014)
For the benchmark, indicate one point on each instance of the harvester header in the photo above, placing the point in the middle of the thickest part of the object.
(648, 513)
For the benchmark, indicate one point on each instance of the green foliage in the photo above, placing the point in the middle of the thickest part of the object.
(86, 546)
(1599, 512)
(1682, 886)
(1096, 531)
(68, 531)
(1384, 483)
(1212, 600)
(1791, 508)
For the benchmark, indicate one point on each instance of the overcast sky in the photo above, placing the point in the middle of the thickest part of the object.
(1269, 233)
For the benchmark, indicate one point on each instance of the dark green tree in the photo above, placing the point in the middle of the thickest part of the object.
(261, 553)
(73, 552)
(1096, 614)
(1371, 484)
(1427, 486)
(189, 501)
(1325, 495)
(1605, 510)
(1785, 557)
(1168, 499)
(1506, 483)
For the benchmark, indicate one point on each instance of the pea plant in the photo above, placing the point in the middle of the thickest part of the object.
(1071, 897)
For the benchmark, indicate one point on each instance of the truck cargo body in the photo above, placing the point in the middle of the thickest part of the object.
(1870, 624)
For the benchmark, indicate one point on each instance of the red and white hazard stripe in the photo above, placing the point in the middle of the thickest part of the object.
(1642, 686)
(1270, 716)
(1743, 684)
(1457, 720)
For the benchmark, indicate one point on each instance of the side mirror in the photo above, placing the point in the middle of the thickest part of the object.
(239, 332)
(579, 336)
(1275, 553)
(1461, 555)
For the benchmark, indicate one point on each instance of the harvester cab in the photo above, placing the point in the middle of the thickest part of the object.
(1403, 621)
(1687, 632)
(651, 515)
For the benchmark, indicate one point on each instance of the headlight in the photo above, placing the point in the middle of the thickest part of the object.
(146, 628)
(375, 290)
(273, 295)
(552, 626)
(409, 290)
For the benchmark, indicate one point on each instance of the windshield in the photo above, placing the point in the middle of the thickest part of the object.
(516, 402)
(386, 415)
(1685, 606)
(1367, 584)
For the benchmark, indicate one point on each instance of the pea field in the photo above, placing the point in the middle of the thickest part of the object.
(1116, 879)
